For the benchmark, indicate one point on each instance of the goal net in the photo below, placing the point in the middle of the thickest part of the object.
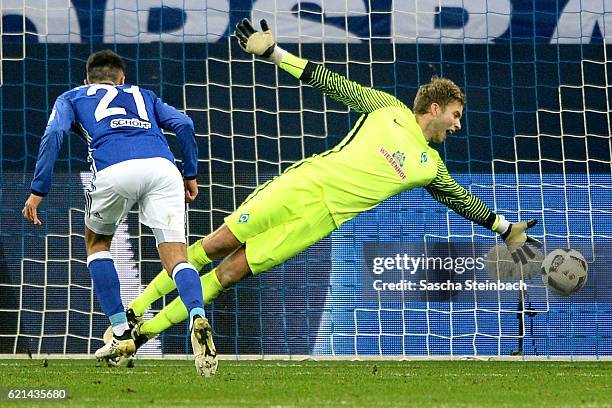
(535, 143)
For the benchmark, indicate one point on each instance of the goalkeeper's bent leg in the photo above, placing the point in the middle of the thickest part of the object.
(175, 312)
(163, 284)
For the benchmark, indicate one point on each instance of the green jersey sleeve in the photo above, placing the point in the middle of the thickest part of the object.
(358, 97)
(447, 191)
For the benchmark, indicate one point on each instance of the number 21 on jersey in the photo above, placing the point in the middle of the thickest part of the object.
(103, 111)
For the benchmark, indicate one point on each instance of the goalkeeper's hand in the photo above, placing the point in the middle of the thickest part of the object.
(518, 241)
(259, 43)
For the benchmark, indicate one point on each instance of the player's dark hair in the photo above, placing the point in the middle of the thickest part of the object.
(439, 90)
(103, 66)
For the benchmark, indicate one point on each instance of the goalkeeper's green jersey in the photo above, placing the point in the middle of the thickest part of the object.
(384, 154)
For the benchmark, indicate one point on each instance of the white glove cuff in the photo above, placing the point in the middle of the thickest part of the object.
(277, 55)
(502, 225)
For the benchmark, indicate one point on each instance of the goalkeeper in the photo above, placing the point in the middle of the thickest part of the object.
(387, 151)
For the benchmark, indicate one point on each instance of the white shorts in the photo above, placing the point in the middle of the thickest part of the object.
(154, 184)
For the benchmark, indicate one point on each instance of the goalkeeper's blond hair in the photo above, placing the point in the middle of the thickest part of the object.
(439, 90)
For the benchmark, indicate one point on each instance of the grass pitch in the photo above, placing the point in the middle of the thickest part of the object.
(319, 384)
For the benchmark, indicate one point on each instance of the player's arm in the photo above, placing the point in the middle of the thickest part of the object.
(60, 122)
(358, 97)
(169, 118)
(445, 189)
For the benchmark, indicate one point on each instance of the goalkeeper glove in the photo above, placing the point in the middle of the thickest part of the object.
(259, 43)
(517, 240)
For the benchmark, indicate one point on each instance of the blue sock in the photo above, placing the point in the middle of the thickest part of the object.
(196, 311)
(106, 286)
(190, 288)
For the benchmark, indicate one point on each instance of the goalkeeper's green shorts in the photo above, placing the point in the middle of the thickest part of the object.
(280, 219)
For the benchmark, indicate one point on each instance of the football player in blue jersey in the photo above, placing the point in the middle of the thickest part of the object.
(131, 164)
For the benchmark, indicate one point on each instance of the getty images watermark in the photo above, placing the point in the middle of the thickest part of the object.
(410, 265)
(433, 271)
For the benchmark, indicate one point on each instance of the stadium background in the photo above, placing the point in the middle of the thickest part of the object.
(526, 82)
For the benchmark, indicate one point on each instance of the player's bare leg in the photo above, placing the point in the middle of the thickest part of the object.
(171, 253)
(220, 243)
(233, 269)
(96, 242)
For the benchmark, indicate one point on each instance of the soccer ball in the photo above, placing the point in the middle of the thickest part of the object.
(564, 271)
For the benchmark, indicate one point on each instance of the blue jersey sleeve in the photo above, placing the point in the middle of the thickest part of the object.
(60, 121)
(169, 118)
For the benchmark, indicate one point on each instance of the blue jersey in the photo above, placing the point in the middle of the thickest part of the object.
(119, 123)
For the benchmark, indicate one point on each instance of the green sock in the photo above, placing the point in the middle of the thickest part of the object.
(176, 312)
(196, 255)
(163, 284)
(211, 287)
(173, 313)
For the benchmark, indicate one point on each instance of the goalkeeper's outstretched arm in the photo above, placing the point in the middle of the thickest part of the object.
(356, 96)
(447, 191)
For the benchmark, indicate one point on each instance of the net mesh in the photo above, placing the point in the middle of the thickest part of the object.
(535, 144)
